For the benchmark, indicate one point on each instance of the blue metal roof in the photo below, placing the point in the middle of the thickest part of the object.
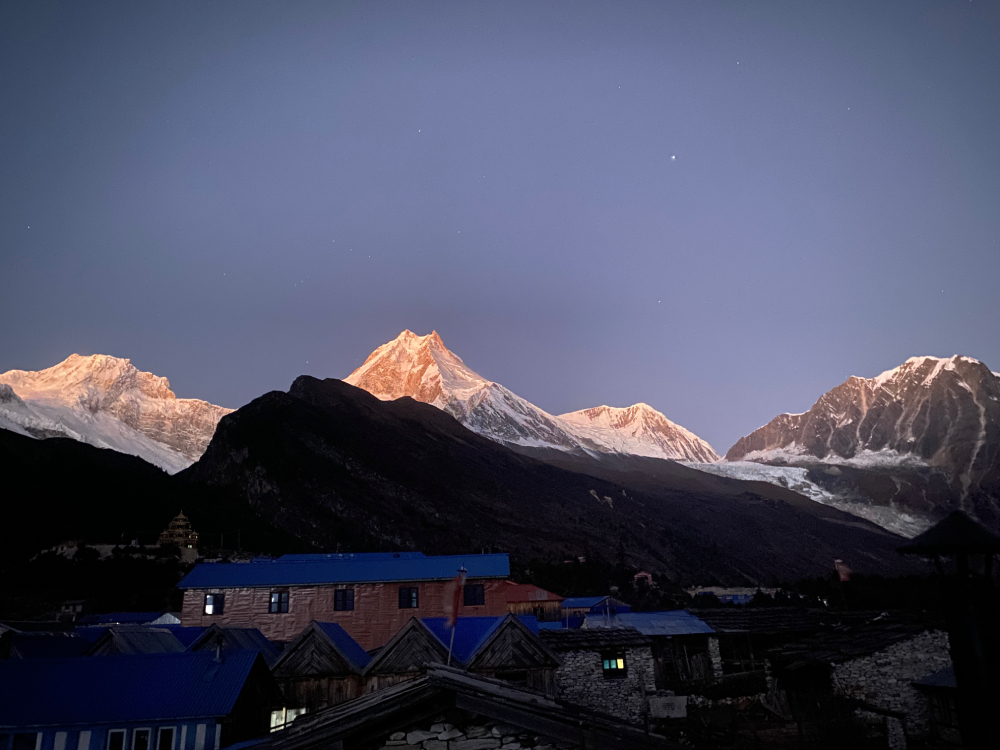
(364, 556)
(358, 569)
(348, 647)
(186, 635)
(674, 622)
(46, 645)
(579, 602)
(119, 618)
(470, 632)
(550, 626)
(116, 689)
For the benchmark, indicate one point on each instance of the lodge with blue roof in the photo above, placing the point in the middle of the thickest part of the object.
(370, 595)
(165, 701)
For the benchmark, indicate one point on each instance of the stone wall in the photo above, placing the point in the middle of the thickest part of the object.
(581, 680)
(478, 734)
(883, 680)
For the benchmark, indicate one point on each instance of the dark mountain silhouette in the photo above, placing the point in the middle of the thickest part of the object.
(338, 468)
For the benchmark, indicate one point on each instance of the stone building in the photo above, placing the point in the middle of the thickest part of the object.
(451, 709)
(864, 675)
(179, 532)
(608, 670)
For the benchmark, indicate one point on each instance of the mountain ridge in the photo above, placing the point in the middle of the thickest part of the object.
(423, 368)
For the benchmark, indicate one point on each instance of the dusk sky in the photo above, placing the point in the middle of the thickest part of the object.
(722, 209)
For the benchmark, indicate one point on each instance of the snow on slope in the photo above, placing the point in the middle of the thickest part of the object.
(638, 430)
(795, 478)
(422, 368)
(106, 402)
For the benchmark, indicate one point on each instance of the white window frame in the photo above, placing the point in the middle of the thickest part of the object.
(83, 741)
(59, 742)
(135, 733)
(173, 740)
(107, 739)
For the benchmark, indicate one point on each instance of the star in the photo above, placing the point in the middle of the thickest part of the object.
(673, 157)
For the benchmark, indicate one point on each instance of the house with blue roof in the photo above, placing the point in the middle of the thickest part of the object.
(370, 595)
(320, 668)
(507, 648)
(168, 701)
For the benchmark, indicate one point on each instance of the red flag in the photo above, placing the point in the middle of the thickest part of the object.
(451, 603)
(843, 571)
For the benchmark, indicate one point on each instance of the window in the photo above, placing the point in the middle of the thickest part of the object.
(614, 665)
(279, 602)
(140, 739)
(474, 595)
(408, 597)
(26, 741)
(214, 603)
(343, 600)
(282, 717)
(116, 739)
(165, 741)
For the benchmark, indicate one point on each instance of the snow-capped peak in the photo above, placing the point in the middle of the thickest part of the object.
(423, 368)
(106, 401)
(639, 430)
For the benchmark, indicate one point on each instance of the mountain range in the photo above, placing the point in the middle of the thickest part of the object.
(422, 368)
(901, 449)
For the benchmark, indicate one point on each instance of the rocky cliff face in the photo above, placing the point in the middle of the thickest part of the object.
(107, 402)
(925, 435)
(422, 368)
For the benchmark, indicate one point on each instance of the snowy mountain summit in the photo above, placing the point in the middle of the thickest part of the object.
(422, 368)
(107, 402)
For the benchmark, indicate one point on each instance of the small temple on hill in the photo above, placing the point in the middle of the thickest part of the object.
(179, 532)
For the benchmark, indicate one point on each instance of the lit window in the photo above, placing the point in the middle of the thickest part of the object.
(278, 603)
(474, 595)
(614, 665)
(408, 597)
(214, 603)
(343, 600)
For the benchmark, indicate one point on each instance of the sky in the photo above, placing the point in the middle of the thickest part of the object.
(722, 209)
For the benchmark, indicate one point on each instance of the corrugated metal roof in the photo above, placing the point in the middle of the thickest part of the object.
(118, 618)
(347, 646)
(43, 645)
(471, 632)
(237, 639)
(581, 602)
(113, 689)
(406, 567)
(136, 640)
(675, 622)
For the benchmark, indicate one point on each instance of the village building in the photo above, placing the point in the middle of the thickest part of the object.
(861, 677)
(575, 609)
(40, 644)
(135, 640)
(370, 595)
(450, 709)
(184, 701)
(179, 532)
(322, 667)
(216, 638)
(941, 691)
(529, 599)
(507, 648)
(609, 670)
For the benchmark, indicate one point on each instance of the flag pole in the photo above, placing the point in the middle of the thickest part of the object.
(451, 644)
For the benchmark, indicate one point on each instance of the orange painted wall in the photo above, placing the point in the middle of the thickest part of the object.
(375, 619)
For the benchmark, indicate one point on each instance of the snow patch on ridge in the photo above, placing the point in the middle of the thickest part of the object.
(795, 478)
